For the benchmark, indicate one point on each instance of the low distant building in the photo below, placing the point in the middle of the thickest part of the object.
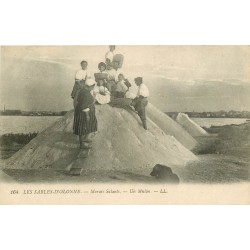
(11, 112)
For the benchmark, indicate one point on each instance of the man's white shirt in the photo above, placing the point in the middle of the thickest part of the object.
(143, 90)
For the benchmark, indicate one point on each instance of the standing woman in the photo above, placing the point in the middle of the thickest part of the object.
(85, 122)
(80, 78)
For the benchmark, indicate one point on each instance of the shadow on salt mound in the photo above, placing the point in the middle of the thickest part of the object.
(170, 127)
(5, 178)
(190, 126)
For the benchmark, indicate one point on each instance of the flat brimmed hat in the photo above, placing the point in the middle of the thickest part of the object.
(89, 82)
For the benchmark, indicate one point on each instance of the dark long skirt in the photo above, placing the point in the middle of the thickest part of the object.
(81, 126)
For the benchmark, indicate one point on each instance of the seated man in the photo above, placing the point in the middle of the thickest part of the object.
(113, 71)
(122, 87)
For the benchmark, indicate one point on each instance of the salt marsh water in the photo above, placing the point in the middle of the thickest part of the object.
(25, 124)
(29, 124)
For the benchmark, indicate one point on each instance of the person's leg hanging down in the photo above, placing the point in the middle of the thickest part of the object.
(142, 115)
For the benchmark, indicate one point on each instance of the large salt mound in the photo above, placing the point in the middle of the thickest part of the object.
(190, 126)
(170, 127)
(120, 144)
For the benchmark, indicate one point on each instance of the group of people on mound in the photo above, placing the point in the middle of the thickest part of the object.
(109, 86)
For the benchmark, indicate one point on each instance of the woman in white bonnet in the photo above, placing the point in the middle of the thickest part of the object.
(85, 122)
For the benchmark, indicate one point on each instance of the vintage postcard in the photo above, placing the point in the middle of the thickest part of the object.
(125, 124)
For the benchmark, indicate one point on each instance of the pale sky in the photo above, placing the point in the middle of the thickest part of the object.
(213, 62)
(201, 77)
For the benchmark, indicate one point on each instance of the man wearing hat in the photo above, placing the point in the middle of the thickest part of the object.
(85, 122)
(141, 100)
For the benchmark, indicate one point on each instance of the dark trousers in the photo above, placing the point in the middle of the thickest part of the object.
(119, 94)
(111, 85)
(140, 107)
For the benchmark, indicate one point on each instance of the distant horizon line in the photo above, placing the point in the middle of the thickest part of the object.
(190, 111)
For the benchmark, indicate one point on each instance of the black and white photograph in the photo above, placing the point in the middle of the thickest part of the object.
(116, 114)
(122, 122)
